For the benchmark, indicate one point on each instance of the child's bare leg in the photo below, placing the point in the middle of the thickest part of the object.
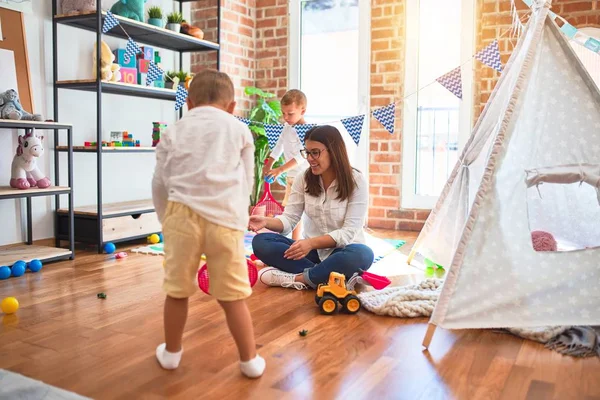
(297, 233)
(239, 322)
(175, 317)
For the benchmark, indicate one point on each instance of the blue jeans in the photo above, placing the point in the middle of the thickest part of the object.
(269, 248)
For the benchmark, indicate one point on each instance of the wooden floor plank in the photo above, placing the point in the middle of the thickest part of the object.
(64, 335)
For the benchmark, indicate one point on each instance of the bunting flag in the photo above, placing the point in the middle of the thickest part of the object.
(354, 127)
(180, 97)
(302, 129)
(273, 132)
(244, 120)
(386, 117)
(131, 50)
(154, 73)
(490, 56)
(109, 22)
(452, 81)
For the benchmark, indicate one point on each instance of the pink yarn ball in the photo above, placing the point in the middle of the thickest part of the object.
(543, 241)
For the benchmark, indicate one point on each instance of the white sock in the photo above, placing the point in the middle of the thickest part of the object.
(253, 368)
(167, 359)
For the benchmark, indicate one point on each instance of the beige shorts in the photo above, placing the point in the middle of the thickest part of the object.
(187, 236)
(288, 191)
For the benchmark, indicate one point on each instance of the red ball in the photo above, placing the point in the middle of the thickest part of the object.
(543, 241)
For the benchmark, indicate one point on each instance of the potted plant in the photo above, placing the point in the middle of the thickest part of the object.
(155, 16)
(266, 111)
(183, 76)
(171, 79)
(174, 21)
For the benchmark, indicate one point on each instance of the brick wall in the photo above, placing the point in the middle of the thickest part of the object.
(493, 18)
(238, 30)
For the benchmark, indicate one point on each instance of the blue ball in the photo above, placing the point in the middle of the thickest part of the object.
(269, 179)
(20, 263)
(4, 272)
(35, 265)
(160, 237)
(109, 248)
(18, 269)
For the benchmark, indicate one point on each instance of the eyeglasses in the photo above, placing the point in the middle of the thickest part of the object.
(315, 154)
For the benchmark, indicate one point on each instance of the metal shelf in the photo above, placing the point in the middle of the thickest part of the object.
(108, 150)
(142, 32)
(20, 124)
(90, 85)
(10, 193)
(10, 254)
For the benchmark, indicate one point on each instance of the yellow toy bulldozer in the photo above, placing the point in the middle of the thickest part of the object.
(329, 295)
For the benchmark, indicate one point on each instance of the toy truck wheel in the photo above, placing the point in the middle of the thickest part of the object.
(351, 304)
(328, 304)
(317, 299)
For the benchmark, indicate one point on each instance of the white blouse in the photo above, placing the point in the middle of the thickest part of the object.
(326, 215)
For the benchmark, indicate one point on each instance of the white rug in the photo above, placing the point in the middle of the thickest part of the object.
(15, 386)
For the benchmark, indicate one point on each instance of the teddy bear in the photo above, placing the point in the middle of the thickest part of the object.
(110, 70)
(132, 9)
(78, 6)
(11, 108)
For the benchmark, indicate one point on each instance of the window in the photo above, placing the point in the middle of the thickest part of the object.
(329, 61)
(440, 36)
(589, 59)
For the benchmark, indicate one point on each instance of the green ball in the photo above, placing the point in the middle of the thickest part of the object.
(429, 271)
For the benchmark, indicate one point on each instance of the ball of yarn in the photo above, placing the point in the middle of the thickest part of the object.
(543, 241)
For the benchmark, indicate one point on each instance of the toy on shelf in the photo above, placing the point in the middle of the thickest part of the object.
(118, 139)
(116, 136)
(123, 60)
(9, 305)
(336, 291)
(129, 75)
(25, 172)
(11, 108)
(192, 30)
(174, 21)
(132, 9)
(158, 129)
(110, 71)
(77, 6)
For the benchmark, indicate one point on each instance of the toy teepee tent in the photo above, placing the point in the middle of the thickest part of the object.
(532, 163)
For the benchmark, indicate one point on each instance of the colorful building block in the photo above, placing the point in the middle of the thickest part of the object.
(143, 66)
(129, 75)
(148, 53)
(121, 60)
(141, 78)
(159, 84)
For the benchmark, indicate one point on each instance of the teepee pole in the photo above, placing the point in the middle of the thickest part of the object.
(429, 335)
(412, 254)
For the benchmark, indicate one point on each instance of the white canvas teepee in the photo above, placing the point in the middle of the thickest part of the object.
(532, 163)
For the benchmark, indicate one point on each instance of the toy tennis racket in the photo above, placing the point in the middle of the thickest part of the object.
(268, 203)
(203, 280)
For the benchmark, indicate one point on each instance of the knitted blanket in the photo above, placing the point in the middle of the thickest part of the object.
(419, 300)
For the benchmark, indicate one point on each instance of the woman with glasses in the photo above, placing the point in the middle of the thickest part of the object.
(332, 199)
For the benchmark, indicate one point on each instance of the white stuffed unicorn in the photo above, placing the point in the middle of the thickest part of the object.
(25, 173)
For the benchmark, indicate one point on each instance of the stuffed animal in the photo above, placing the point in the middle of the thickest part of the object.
(132, 9)
(192, 30)
(10, 107)
(25, 173)
(110, 70)
(77, 6)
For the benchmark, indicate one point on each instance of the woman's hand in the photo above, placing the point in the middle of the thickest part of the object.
(298, 250)
(257, 223)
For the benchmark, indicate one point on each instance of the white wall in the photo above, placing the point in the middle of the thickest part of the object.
(126, 176)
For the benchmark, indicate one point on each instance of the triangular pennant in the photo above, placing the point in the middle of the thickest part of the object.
(490, 56)
(154, 73)
(131, 50)
(452, 81)
(354, 127)
(386, 117)
(273, 132)
(109, 22)
(244, 120)
(302, 129)
(180, 97)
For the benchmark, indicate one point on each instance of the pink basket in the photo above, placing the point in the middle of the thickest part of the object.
(377, 281)
(203, 280)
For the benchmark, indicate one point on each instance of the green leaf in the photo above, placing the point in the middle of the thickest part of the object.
(276, 106)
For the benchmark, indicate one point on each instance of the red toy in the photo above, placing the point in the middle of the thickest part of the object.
(268, 202)
(120, 255)
(203, 280)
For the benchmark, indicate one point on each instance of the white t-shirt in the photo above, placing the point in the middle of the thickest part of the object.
(206, 161)
(290, 145)
(326, 214)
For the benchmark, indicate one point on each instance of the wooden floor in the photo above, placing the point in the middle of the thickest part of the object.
(65, 336)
